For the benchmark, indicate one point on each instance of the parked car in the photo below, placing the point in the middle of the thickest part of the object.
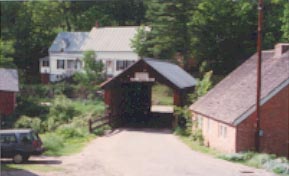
(20, 144)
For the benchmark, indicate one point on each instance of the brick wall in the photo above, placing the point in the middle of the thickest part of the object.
(274, 123)
(7, 102)
(212, 134)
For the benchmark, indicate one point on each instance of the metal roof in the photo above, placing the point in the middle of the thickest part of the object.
(110, 38)
(9, 80)
(233, 99)
(69, 41)
(175, 74)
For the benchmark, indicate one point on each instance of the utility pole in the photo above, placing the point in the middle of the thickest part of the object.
(259, 67)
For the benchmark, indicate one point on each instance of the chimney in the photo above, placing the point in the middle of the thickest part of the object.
(280, 49)
(96, 24)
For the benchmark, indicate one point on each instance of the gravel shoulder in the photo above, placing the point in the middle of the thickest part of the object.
(130, 152)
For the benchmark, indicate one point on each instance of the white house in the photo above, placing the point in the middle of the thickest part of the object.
(112, 46)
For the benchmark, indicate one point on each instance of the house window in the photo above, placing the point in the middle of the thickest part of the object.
(60, 64)
(222, 131)
(70, 64)
(45, 63)
(123, 64)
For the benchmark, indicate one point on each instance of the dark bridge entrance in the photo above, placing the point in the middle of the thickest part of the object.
(128, 95)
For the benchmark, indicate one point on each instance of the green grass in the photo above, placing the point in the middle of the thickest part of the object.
(162, 95)
(85, 106)
(75, 145)
(197, 147)
(59, 146)
(32, 167)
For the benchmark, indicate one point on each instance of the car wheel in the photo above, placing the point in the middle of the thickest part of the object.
(18, 158)
(25, 158)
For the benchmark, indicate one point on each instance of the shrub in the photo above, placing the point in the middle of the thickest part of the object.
(29, 122)
(30, 106)
(70, 131)
(100, 131)
(259, 159)
(234, 157)
(197, 135)
(61, 112)
(181, 131)
(53, 143)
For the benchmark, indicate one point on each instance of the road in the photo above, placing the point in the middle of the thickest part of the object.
(128, 152)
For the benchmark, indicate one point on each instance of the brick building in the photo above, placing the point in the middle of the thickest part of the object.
(227, 113)
(9, 86)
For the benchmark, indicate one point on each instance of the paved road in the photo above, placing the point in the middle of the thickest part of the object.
(146, 153)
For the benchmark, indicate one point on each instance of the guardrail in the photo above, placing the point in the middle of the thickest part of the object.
(94, 124)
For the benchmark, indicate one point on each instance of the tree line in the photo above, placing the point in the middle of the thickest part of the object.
(220, 32)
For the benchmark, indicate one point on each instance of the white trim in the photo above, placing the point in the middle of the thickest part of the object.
(263, 101)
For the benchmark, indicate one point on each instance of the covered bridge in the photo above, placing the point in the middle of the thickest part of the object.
(128, 95)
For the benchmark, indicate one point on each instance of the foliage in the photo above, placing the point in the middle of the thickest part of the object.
(139, 42)
(72, 131)
(184, 116)
(260, 160)
(203, 86)
(7, 50)
(285, 23)
(169, 33)
(29, 122)
(92, 74)
(30, 106)
(61, 111)
(52, 143)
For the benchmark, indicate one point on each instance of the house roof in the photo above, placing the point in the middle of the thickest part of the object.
(69, 41)
(233, 99)
(110, 38)
(174, 74)
(9, 80)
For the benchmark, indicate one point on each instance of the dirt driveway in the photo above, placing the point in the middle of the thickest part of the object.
(128, 152)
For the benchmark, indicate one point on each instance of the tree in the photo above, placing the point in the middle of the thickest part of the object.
(203, 86)
(170, 33)
(7, 50)
(285, 23)
(139, 42)
(93, 71)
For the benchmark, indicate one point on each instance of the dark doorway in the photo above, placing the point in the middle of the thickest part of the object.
(137, 98)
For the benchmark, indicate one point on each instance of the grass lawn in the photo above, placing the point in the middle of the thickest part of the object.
(85, 106)
(63, 147)
(32, 167)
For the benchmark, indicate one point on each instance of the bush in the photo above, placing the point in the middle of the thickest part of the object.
(30, 106)
(197, 135)
(29, 122)
(181, 131)
(237, 156)
(70, 131)
(259, 159)
(53, 143)
(61, 112)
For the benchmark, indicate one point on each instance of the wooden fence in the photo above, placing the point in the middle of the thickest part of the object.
(94, 124)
